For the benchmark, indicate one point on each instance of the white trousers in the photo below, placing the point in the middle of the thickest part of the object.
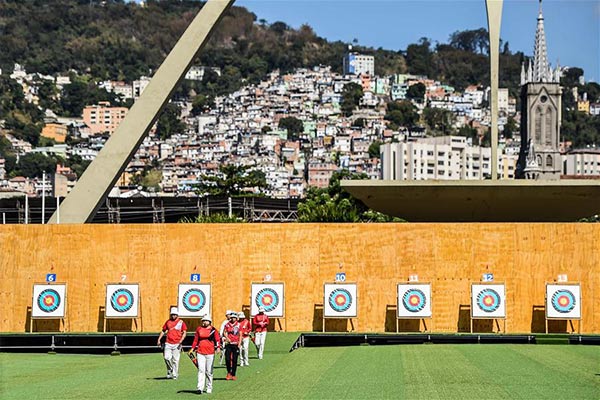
(260, 338)
(172, 353)
(205, 371)
(244, 351)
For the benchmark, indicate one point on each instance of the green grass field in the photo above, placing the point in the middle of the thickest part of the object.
(364, 372)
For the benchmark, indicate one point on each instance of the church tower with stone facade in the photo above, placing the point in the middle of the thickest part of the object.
(539, 157)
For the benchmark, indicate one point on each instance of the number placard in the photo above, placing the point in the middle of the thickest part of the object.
(195, 278)
(50, 277)
(340, 277)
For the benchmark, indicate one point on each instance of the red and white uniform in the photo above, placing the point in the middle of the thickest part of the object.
(174, 329)
(175, 332)
(232, 333)
(206, 340)
(260, 322)
(245, 330)
(232, 350)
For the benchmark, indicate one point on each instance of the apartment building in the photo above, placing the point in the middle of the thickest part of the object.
(102, 118)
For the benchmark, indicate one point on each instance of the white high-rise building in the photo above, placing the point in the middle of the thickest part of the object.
(443, 158)
(359, 64)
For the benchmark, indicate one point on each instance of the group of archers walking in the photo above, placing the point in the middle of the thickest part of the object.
(231, 341)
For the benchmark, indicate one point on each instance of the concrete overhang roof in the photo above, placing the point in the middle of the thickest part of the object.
(480, 200)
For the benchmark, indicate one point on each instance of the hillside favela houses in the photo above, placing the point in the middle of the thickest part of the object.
(297, 130)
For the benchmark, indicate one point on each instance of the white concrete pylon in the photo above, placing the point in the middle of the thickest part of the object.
(93, 186)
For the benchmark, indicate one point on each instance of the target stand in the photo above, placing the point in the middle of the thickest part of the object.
(271, 296)
(340, 301)
(123, 302)
(488, 302)
(563, 302)
(49, 302)
(413, 302)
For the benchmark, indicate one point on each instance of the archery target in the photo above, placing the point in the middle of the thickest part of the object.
(122, 301)
(48, 301)
(194, 300)
(270, 296)
(414, 300)
(340, 300)
(563, 301)
(488, 301)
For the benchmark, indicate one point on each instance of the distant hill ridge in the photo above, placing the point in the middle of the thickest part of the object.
(122, 41)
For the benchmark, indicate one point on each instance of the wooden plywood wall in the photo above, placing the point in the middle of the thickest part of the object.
(304, 256)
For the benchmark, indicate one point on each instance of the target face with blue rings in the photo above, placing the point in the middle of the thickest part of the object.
(340, 300)
(268, 299)
(563, 301)
(194, 300)
(121, 300)
(48, 300)
(414, 300)
(488, 300)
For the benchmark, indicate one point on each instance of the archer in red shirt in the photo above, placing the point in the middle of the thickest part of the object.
(260, 322)
(206, 341)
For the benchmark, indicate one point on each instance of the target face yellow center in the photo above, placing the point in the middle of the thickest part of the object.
(339, 300)
(122, 300)
(267, 300)
(488, 300)
(414, 300)
(49, 301)
(563, 301)
(194, 300)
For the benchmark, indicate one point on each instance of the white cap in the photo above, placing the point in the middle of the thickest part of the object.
(229, 312)
(174, 310)
(206, 318)
(261, 309)
(241, 314)
(233, 314)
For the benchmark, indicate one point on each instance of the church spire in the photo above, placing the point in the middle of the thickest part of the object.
(540, 53)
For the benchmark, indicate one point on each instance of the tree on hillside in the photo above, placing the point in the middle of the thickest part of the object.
(474, 41)
(439, 120)
(202, 104)
(374, 149)
(510, 128)
(293, 125)
(570, 77)
(419, 58)
(351, 95)
(401, 113)
(234, 180)
(32, 165)
(79, 93)
(169, 122)
(416, 92)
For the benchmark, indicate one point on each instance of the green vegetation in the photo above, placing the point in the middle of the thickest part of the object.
(351, 95)
(293, 125)
(236, 180)
(401, 113)
(22, 118)
(364, 372)
(218, 218)
(440, 121)
(121, 40)
(333, 204)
